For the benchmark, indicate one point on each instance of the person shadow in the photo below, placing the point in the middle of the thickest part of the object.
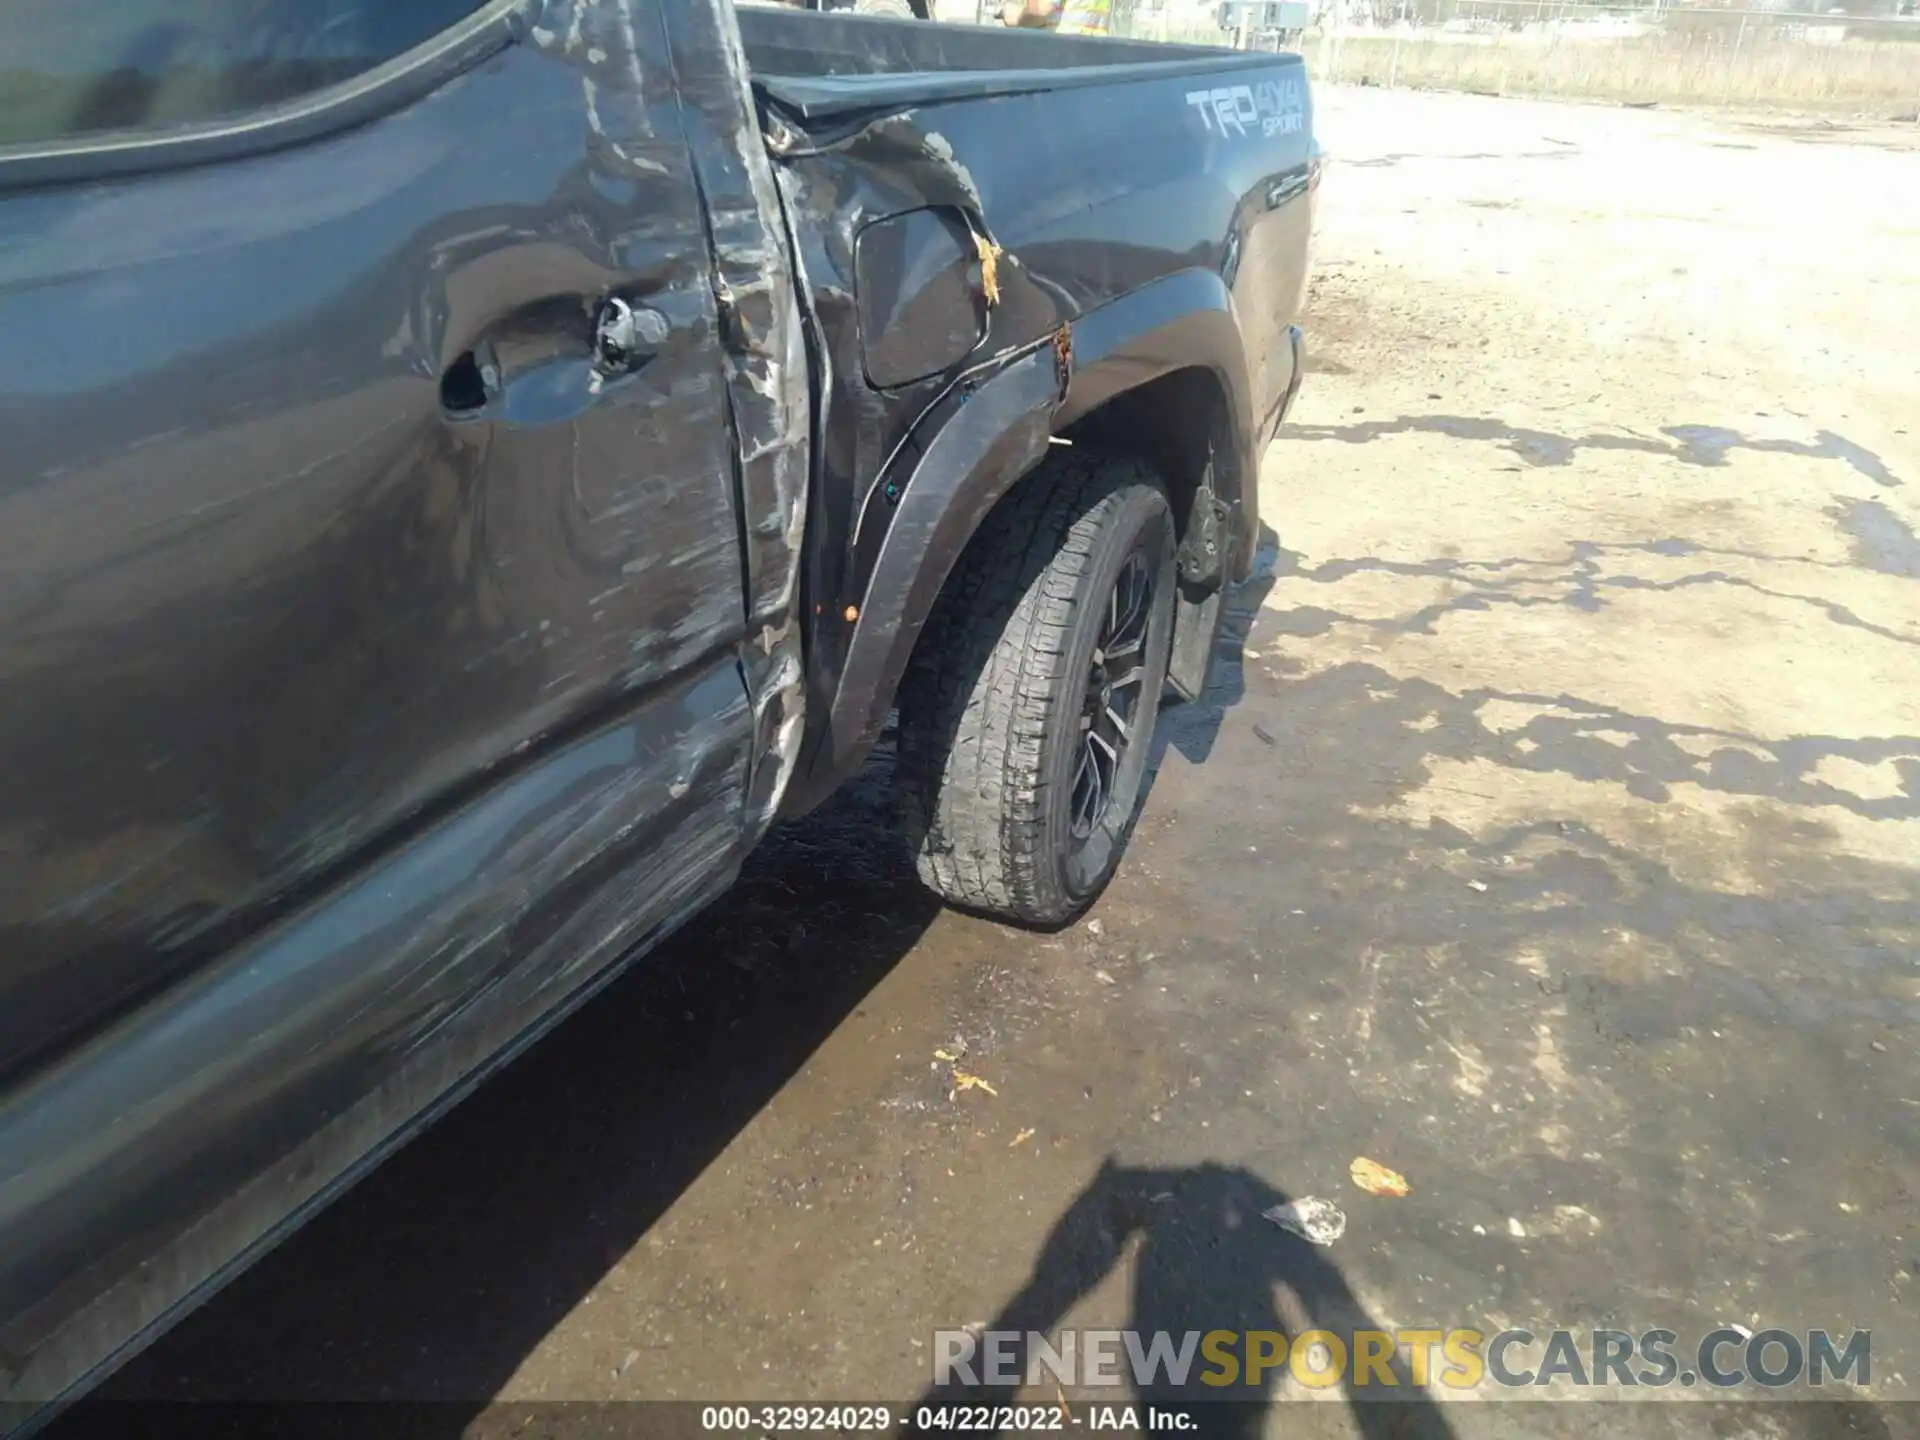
(1206, 1261)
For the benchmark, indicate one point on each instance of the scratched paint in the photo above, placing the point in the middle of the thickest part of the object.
(264, 602)
(243, 1094)
(768, 397)
(277, 613)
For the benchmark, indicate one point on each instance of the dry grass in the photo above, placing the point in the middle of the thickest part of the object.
(1879, 79)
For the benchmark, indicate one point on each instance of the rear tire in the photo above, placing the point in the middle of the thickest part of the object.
(1027, 714)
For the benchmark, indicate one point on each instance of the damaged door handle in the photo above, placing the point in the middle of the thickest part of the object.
(534, 362)
(626, 336)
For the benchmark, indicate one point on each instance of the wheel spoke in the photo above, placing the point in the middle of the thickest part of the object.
(1089, 789)
(1127, 610)
(1107, 721)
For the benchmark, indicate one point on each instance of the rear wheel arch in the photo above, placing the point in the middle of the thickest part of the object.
(1159, 374)
(1181, 423)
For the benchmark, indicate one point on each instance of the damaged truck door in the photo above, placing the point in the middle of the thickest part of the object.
(374, 601)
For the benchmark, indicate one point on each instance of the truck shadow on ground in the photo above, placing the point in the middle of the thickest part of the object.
(439, 1273)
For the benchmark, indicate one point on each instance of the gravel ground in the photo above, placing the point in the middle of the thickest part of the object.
(1554, 841)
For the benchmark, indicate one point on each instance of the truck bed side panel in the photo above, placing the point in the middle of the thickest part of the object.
(1089, 193)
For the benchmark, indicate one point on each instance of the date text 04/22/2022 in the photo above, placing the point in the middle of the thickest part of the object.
(1034, 1419)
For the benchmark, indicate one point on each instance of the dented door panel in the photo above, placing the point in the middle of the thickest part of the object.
(275, 588)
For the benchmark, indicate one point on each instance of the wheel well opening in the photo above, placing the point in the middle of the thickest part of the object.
(1181, 424)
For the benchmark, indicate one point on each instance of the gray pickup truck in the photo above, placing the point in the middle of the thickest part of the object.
(469, 467)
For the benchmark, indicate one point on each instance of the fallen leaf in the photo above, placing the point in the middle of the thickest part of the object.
(1020, 1139)
(989, 254)
(1376, 1179)
(1103, 977)
(967, 1080)
(946, 1055)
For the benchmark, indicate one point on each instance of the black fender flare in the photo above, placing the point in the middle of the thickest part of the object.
(1183, 320)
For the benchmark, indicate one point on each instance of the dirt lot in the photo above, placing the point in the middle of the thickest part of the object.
(1557, 842)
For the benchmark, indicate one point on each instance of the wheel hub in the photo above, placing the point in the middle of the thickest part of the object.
(1099, 687)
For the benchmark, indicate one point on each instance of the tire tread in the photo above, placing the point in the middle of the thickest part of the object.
(974, 703)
